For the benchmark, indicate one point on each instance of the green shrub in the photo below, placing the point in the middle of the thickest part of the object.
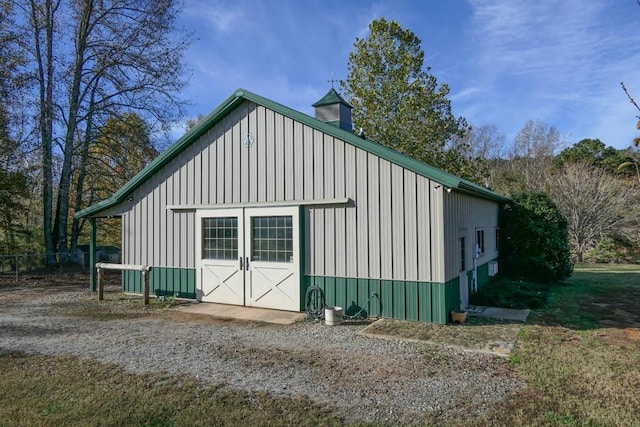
(506, 293)
(534, 243)
(612, 250)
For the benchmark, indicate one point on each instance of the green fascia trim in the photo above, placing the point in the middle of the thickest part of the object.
(241, 95)
(163, 281)
(168, 155)
(335, 123)
(332, 97)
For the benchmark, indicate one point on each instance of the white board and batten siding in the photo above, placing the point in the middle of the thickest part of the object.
(393, 229)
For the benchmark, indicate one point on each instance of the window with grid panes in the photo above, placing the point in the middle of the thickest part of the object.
(220, 238)
(272, 238)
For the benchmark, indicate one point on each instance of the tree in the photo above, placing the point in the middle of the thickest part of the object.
(533, 151)
(634, 151)
(529, 159)
(14, 192)
(120, 149)
(592, 151)
(480, 147)
(14, 175)
(633, 160)
(126, 55)
(596, 204)
(395, 99)
(41, 21)
(534, 239)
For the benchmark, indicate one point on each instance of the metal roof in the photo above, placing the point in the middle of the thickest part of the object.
(241, 95)
(332, 97)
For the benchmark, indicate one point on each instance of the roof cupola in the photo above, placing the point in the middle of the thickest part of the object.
(333, 109)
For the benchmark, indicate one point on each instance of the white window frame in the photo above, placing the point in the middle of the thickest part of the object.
(480, 241)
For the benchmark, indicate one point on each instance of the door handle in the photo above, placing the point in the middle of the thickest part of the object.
(246, 263)
(241, 263)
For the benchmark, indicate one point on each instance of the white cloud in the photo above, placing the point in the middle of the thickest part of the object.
(222, 17)
(554, 61)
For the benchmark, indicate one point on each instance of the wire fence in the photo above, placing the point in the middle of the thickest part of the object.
(58, 262)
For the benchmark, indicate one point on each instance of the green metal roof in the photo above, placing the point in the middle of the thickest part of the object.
(241, 95)
(332, 97)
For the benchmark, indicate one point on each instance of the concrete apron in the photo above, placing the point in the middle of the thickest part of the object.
(499, 313)
(237, 312)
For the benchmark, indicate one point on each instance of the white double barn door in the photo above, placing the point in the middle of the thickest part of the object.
(249, 256)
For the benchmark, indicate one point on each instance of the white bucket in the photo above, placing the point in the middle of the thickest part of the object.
(332, 315)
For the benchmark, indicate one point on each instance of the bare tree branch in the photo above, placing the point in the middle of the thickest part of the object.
(628, 95)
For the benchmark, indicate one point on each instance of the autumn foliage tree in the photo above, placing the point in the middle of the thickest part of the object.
(120, 149)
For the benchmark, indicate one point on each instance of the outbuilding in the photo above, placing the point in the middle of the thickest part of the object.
(258, 202)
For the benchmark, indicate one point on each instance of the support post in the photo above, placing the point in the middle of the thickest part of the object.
(92, 254)
(145, 286)
(100, 284)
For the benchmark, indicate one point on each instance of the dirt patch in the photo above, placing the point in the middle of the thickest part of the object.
(615, 310)
(497, 338)
(628, 338)
(633, 334)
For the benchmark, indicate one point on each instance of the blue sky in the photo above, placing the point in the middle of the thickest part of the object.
(505, 61)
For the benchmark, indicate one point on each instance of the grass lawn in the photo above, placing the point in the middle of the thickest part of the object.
(579, 356)
(65, 391)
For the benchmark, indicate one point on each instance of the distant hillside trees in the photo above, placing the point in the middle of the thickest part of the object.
(585, 181)
(527, 160)
(597, 203)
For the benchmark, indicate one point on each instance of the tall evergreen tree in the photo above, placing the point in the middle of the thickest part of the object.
(396, 101)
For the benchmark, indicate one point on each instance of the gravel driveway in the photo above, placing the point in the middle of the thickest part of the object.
(362, 378)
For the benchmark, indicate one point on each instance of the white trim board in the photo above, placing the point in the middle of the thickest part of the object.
(342, 201)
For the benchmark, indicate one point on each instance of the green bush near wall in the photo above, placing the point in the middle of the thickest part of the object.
(507, 293)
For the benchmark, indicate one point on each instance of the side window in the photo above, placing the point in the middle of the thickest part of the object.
(480, 240)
